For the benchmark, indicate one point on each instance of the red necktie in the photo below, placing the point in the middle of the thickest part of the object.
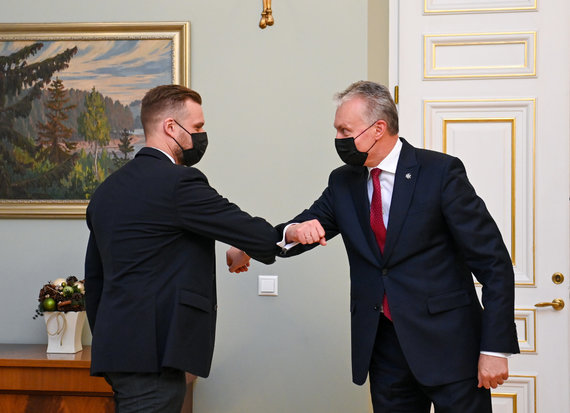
(377, 224)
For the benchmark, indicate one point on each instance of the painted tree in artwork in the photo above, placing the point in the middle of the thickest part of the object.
(22, 174)
(54, 136)
(125, 147)
(94, 125)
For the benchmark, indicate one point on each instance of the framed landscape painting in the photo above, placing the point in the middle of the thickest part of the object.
(70, 99)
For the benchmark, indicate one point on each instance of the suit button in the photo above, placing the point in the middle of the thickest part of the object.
(216, 307)
(385, 271)
(376, 307)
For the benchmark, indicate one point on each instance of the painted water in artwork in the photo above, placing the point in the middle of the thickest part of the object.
(70, 112)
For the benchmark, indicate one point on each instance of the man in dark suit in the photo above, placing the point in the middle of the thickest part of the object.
(415, 231)
(150, 264)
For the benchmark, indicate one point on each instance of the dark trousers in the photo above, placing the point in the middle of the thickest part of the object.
(394, 388)
(148, 392)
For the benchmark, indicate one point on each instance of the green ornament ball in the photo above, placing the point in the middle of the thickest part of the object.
(49, 304)
(67, 291)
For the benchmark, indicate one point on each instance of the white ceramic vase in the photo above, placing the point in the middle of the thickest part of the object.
(64, 331)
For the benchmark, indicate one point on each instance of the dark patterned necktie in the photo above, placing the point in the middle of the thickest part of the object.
(377, 224)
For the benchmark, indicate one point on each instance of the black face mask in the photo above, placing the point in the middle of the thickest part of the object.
(199, 144)
(346, 149)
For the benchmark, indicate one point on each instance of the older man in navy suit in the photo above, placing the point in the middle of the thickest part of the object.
(415, 231)
(150, 267)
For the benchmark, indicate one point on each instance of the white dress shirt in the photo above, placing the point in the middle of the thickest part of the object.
(388, 167)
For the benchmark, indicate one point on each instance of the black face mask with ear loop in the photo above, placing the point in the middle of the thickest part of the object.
(199, 144)
(349, 153)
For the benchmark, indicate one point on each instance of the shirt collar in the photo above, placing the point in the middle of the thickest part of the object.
(160, 150)
(390, 162)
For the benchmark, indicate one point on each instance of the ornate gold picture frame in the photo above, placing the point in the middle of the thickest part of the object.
(69, 100)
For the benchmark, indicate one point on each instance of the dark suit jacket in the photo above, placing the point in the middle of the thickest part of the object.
(439, 233)
(150, 267)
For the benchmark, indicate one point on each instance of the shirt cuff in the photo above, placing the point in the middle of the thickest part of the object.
(283, 243)
(492, 353)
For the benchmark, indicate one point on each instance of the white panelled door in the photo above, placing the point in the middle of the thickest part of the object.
(489, 82)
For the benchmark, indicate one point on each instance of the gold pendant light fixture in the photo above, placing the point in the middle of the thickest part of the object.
(266, 15)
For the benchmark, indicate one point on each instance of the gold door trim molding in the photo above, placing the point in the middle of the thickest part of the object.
(479, 55)
(511, 122)
(527, 337)
(520, 115)
(522, 389)
(470, 6)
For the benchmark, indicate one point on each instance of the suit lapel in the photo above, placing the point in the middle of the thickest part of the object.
(404, 186)
(359, 192)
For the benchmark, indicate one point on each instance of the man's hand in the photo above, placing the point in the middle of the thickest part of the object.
(237, 260)
(307, 232)
(493, 371)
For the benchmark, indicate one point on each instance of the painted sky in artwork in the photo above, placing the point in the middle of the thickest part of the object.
(120, 69)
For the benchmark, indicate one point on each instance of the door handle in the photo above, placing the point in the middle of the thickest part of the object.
(557, 304)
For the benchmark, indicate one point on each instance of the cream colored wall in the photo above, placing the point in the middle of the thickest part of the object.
(378, 41)
(267, 100)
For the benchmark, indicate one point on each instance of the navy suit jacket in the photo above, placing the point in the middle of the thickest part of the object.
(439, 234)
(150, 267)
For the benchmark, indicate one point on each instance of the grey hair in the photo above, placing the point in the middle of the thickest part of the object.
(379, 102)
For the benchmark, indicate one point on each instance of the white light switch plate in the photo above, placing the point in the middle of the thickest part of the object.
(267, 285)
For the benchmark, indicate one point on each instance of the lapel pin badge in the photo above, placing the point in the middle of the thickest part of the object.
(408, 176)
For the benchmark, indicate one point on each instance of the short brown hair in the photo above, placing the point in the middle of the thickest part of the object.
(165, 97)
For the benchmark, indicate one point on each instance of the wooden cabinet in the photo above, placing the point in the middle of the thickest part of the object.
(33, 381)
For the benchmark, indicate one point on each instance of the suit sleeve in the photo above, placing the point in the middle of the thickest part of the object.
(486, 255)
(203, 211)
(93, 280)
(321, 210)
